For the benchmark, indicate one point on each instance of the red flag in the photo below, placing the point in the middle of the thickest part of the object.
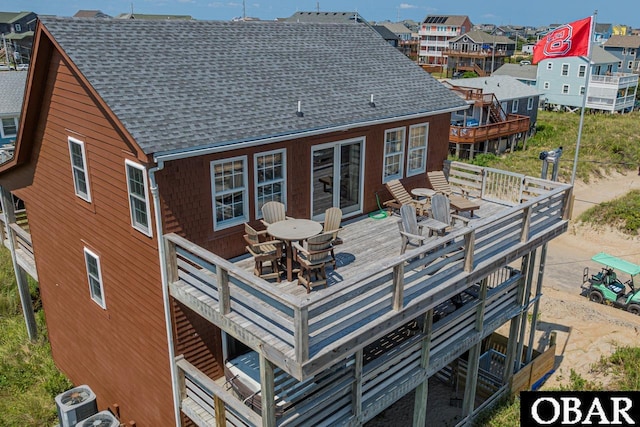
(567, 40)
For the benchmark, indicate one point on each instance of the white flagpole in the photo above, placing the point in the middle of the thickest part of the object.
(584, 98)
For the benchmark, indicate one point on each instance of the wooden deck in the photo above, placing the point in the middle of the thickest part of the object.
(374, 289)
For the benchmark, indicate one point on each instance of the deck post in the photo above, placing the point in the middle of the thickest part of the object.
(398, 286)
(421, 395)
(21, 278)
(536, 304)
(267, 381)
(357, 386)
(469, 247)
(512, 343)
(473, 363)
(223, 290)
(301, 333)
(524, 233)
(525, 303)
(220, 411)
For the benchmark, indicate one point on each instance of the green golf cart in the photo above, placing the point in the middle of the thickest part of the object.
(605, 286)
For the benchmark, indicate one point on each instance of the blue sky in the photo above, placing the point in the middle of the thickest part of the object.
(518, 12)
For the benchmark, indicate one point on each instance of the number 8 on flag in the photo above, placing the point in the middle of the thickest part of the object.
(567, 40)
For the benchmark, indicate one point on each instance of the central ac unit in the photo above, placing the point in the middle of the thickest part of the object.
(75, 405)
(101, 419)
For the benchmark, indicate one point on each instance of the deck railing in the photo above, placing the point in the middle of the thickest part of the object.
(305, 335)
(469, 135)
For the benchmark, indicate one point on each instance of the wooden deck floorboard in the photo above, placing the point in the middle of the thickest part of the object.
(366, 240)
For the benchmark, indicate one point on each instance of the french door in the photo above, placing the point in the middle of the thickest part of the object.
(337, 177)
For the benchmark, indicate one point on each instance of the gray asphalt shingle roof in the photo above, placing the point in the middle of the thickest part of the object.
(177, 85)
(503, 87)
(12, 89)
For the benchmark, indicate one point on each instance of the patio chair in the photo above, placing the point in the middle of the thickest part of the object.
(313, 260)
(410, 230)
(273, 212)
(332, 219)
(402, 197)
(441, 211)
(263, 252)
(459, 203)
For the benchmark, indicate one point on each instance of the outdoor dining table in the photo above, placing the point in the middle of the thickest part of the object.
(423, 192)
(291, 230)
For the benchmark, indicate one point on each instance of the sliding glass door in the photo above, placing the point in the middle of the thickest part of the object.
(337, 177)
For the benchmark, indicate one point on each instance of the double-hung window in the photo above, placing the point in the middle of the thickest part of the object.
(230, 193)
(529, 104)
(565, 89)
(138, 197)
(582, 69)
(417, 154)
(270, 178)
(393, 154)
(94, 277)
(9, 127)
(79, 169)
(565, 69)
(515, 105)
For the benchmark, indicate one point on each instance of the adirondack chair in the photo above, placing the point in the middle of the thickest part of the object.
(313, 260)
(441, 211)
(273, 212)
(332, 219)
(410, 230)
(402, 197)
(459, 203)
(263, 252)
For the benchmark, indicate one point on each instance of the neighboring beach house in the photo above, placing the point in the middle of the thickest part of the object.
(12, 85)
(435, 33)
(627, 50)
(479, 52)
(563, 82)
(498, 102)
(138, 181)
(525, 73)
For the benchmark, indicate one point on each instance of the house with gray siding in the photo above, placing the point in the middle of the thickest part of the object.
(627, 50)
(563, 82)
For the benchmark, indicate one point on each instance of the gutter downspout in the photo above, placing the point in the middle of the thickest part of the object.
(165, 290)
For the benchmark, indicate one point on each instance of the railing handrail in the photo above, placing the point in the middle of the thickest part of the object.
(21, 233)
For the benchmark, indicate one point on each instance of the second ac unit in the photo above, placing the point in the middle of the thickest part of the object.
(101, 419)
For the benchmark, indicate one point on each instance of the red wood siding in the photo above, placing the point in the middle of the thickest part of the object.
(185, 185)
(120, 352)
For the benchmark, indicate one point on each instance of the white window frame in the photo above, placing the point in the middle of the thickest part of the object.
(630, 65)
(3, 134)
(582, 70)
(147, 230)
(415, 150)
(549, 65)
(17, 27)
(565, 69)
(565, 89)
(582, 90)
(530, 104)
(243, 190)
(282, 180)
(76, 169)
(546, 85)
(515, 104)
(394, 154)
(98, 299)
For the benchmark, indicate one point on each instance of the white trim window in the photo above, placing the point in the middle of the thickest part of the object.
(229, 192)
(549, 65)
(529, 103)
(582, 70)
(565, 70)
(515, 105)
(393, 154)
(79, 169)
(138, 197)
(270, 172)
(565, 89)
(94, 277)
(417, 153)
(582, 90)
(546, 85)
(9, 127)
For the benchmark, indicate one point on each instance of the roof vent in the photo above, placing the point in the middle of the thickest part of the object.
(371, 103)
(299, 113)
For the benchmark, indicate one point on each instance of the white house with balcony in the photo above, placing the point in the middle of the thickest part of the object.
(435, 33)
(563, 83)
